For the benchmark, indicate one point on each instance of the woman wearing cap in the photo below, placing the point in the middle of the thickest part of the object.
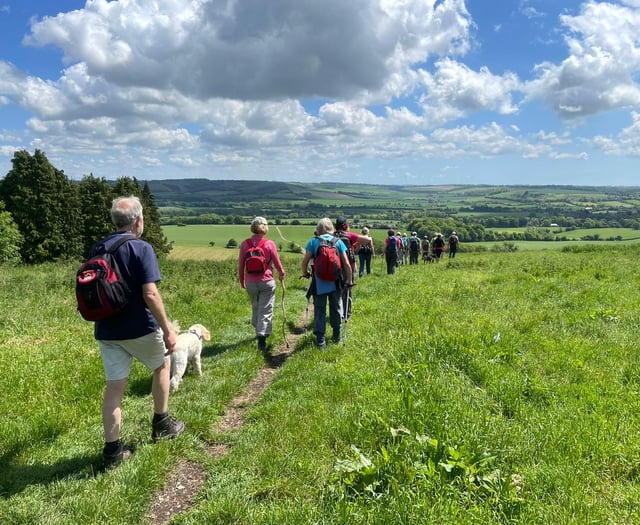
(257, 278)
(392, 246)
(350, 240)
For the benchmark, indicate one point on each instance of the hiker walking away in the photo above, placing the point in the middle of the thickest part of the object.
(350, 240)
(425, 246)
(330, 266)
(365, 252)
(453, 244)
(257, 257)
(414, 248)
(392, 248)
(402, 252)
(141, 331)
(438, 246)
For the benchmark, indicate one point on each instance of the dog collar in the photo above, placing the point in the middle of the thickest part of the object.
(194, 332)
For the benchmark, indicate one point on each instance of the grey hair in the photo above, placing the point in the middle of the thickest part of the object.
(259, 225)
(325, 226)
(125, 211)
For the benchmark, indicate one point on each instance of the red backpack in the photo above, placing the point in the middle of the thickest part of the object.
(256, 261)
(326, 263)
(101, 292)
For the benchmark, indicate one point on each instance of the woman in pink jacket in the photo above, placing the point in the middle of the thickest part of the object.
(258, 255)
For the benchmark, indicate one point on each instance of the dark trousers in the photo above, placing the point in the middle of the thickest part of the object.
(392, 262)
(365, 263)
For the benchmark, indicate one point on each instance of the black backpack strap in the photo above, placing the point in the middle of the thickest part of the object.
(114, 247)
(120, 242)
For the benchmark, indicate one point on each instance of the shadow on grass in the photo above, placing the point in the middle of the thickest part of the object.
(16, 477)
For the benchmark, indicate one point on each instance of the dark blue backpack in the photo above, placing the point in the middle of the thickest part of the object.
(392, 246)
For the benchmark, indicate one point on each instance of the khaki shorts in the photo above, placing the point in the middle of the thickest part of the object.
(117, 356)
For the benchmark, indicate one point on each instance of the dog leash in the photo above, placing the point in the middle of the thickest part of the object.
(284, 315)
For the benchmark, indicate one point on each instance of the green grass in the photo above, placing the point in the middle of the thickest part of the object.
(493, 388)
(199, 236)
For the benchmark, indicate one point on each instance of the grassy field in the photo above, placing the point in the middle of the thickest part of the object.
(192, 242)
(495, 388)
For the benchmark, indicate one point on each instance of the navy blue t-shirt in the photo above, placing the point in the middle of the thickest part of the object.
(139, 265)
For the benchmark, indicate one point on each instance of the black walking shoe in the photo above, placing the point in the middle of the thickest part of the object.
(167, 428)
(121, 454)
(262, 343)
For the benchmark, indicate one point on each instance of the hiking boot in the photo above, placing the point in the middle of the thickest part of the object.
(336, 338)
(321, 342)
(167, 428)
(122, 453)
(262, 343)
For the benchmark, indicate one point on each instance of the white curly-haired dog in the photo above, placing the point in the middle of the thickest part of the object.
(188, 349)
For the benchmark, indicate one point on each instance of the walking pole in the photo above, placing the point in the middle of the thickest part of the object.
(284, 315)
(346, 315)
(306, 314)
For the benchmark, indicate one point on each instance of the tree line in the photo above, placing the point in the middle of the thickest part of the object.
(45, 216)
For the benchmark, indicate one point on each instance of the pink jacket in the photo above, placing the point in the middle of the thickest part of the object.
(272, 257)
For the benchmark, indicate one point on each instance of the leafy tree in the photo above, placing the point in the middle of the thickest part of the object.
(95, 203)
(45, 207)
(10, 238)
(152, 226)
(126, 186)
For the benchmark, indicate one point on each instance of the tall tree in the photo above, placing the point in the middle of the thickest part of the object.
(95, 202)
(152, 226)
(10, 238)
(126, 186)
(44, 205)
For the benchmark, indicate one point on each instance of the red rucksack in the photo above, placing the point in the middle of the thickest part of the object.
(326, 263)
(101, 292)
(256, 261)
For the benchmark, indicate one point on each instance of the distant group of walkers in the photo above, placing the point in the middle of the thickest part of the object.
(399, 248)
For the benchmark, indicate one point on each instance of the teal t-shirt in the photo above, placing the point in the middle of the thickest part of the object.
(323, 286)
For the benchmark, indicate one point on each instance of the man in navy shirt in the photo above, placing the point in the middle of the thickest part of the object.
(141, 331)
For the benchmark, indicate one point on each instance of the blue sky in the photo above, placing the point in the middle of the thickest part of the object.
(374, 91)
